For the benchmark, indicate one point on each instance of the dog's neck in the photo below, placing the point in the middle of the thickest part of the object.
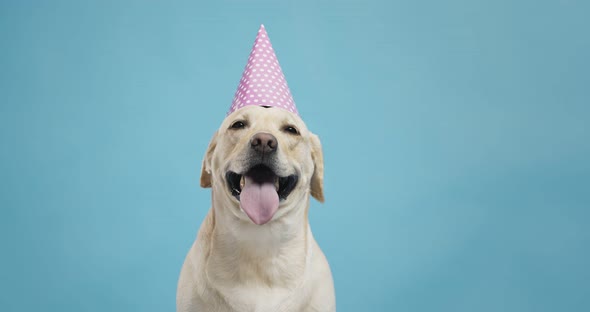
(274, 254)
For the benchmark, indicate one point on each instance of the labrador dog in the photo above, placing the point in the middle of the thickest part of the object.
(255, 250)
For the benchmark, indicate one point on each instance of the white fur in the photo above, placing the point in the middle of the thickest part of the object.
(235, 265)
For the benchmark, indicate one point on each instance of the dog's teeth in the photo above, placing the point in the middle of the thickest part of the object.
(277, 184)
(242, 182)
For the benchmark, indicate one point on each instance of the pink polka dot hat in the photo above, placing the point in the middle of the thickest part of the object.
(263, 82)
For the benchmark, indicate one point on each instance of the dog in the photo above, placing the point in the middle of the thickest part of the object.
(255, 250)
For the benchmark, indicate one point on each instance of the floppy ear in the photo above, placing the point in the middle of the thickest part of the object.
(317, 179)
(206, 167)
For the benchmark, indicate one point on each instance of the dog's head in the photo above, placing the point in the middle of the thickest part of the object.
(264, 160)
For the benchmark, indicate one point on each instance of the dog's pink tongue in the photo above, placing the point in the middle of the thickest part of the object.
(259, 201)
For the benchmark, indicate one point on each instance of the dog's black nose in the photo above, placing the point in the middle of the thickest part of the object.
(263, 143)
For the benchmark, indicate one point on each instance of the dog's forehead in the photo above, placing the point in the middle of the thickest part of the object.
(259, 115)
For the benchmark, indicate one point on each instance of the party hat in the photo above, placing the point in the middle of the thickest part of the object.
(263, 82)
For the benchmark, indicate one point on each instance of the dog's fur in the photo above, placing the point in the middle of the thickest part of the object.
(236, 265)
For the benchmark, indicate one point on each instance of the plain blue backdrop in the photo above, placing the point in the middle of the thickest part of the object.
(456, 138)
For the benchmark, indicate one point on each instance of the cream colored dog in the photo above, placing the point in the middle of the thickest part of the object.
(255, 250)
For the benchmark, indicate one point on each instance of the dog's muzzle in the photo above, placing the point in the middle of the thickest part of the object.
(259, 189)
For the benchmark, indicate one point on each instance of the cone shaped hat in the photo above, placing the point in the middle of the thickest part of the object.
(263, 82)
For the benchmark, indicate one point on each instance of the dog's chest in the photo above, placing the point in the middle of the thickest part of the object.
(254, 299)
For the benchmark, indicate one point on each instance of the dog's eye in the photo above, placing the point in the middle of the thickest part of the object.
(291, 130)
(238, 125)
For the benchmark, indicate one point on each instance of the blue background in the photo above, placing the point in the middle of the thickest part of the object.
(456, 138)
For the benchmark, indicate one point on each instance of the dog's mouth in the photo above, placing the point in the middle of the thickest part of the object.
(259, 191)
(261, 174)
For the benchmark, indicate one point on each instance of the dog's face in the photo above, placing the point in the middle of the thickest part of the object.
(265, 161)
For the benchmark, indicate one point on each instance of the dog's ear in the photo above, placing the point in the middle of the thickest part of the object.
(317, 179)
(206, 167)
